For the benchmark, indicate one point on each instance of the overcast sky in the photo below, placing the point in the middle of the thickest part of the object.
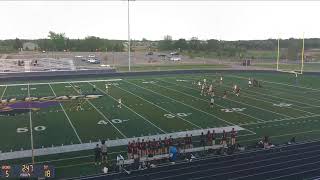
(154, 19)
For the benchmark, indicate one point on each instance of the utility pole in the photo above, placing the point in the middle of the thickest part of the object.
(129, 48)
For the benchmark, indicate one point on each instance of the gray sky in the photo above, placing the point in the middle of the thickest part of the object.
(154, 19)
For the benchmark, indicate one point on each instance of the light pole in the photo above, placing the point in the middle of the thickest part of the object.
(129, 51)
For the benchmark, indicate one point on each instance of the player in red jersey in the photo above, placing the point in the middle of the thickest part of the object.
(233, 136)
(190, 141)
(148, 148)
(166, 144)
(209, 138)
(129, 150)
(213, 137)
(170, 141)
(224, 138)
(143, 148)
(186, 142)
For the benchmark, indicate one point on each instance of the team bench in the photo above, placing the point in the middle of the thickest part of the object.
(166, 156)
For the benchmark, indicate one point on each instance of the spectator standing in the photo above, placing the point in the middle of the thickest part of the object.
(202, 140)
(233, 136)
(213, 138)
(97, 155)
(129, 150)
(104, 151)
(190, 141)
(209, 138)
(224, 138)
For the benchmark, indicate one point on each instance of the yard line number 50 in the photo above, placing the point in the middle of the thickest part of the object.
(25, 129)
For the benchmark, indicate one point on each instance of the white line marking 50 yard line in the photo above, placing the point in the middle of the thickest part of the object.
(130, 109)
(64, 111)
(31, 127)
(122, 134)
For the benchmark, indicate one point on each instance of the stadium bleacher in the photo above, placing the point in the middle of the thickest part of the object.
(295, 161)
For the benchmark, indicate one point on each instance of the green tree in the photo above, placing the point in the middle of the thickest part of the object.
(58, 40)
(17, 44)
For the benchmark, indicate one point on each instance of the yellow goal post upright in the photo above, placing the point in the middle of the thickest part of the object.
(298, 71)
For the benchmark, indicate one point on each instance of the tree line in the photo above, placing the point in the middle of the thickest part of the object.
(239, 49)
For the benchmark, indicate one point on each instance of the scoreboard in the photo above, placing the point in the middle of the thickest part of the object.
(27, 170)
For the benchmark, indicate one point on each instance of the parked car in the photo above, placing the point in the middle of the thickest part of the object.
(175, 59)
(91, 56)
(94, 61)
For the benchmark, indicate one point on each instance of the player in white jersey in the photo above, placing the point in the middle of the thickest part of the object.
(199, 84)
(235, 87)
(94, 88)
(210, 89)
(202, 89)
(79, 106)
(107, 88)
(211, 102)
(249, 82)
(79, 90)
(119, 103)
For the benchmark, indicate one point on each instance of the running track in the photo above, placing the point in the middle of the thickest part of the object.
(299, 161)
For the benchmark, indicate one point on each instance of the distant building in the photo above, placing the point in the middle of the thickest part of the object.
(30, 46)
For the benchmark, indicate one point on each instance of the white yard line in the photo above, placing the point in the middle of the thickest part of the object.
(131, 110)
(258, 119)
(63, 82)
(3, 92)
(122, 134)
(31, 128)
(183, 104)
(256, 107)
(65, 113)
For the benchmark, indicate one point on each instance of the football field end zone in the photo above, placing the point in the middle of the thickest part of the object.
(62, 82)
(110, 143)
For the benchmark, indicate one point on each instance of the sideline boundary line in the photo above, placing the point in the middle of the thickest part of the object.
(63, 82)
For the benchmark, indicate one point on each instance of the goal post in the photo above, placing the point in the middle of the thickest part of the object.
(290, 67)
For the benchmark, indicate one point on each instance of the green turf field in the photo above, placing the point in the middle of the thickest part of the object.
(154, 105)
